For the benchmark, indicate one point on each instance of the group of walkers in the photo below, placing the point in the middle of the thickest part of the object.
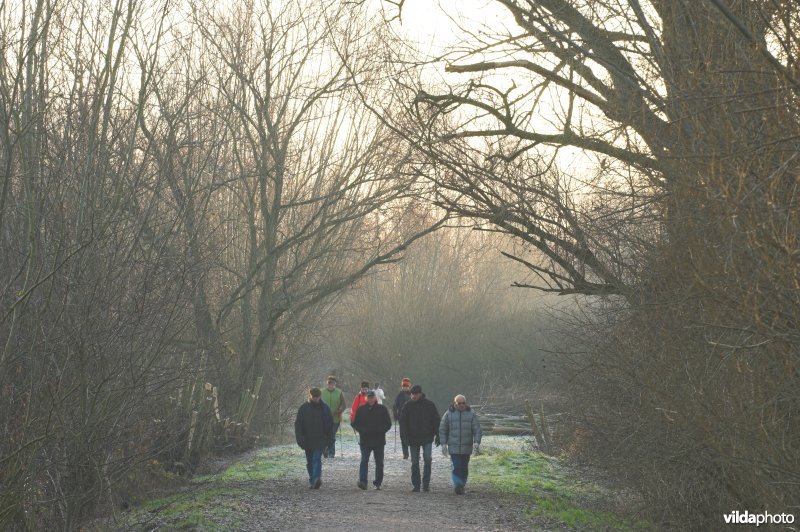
(458, 432)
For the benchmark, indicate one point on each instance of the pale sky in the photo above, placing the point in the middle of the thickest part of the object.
(426, 22)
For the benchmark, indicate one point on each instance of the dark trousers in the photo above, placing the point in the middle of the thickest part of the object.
(403, 444)
(363, 469)
(460, 469)
(330, 450)
(426, 459)
(314, 465)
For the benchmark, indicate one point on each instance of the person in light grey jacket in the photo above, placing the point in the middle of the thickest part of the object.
(460, 435)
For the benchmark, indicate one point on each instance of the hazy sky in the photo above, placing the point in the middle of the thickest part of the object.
(434, 24)
(439, 25)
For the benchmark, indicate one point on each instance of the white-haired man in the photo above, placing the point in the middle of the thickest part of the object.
(460, 435)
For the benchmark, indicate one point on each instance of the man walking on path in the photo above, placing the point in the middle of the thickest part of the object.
(372, 423)
(419, 426)
(312, 428)
(359, 400)
(400, 401)
(458, 431)
(334, 398)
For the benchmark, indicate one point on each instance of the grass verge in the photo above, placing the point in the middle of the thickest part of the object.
(211, 502)
(555, 492)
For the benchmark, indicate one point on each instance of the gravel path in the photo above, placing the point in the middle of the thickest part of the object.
(288, 503)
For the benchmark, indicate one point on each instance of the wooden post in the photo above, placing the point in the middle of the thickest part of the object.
(253, 402)
(536, 434)
(215, 399)
(192, 426)
(545, 429)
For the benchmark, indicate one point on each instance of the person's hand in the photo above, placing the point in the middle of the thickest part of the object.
(477, 448)
(445, 450)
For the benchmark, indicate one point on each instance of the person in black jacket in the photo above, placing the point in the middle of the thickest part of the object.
(372, 423)
(312, 429)
(419, 428)
(400, 401)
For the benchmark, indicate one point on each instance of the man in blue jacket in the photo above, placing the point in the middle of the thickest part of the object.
(312, 429)
(372, 423)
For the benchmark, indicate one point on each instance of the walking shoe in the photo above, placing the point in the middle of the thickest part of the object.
(317, 484)
(362, 485)
(426, 488)
(416, 488)
(459, 490)
(377, 486)
(405, 456)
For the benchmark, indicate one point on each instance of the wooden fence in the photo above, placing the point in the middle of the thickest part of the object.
(534, 424)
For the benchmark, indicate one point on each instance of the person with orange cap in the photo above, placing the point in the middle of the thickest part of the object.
(399, 402)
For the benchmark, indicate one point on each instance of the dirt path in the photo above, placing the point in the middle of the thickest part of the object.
(288, 503)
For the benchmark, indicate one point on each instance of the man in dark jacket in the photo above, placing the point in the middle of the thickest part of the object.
(419, 427)
(400, 401)
(312, 430)
(372, 423)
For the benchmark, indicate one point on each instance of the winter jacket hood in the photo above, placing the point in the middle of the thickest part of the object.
(460, 430)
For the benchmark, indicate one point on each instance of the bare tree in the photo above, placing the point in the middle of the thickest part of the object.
(179, 196)
(86, 321)
(313, 184)
(684, 227)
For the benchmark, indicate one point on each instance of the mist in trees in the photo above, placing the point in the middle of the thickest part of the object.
(448, 318)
